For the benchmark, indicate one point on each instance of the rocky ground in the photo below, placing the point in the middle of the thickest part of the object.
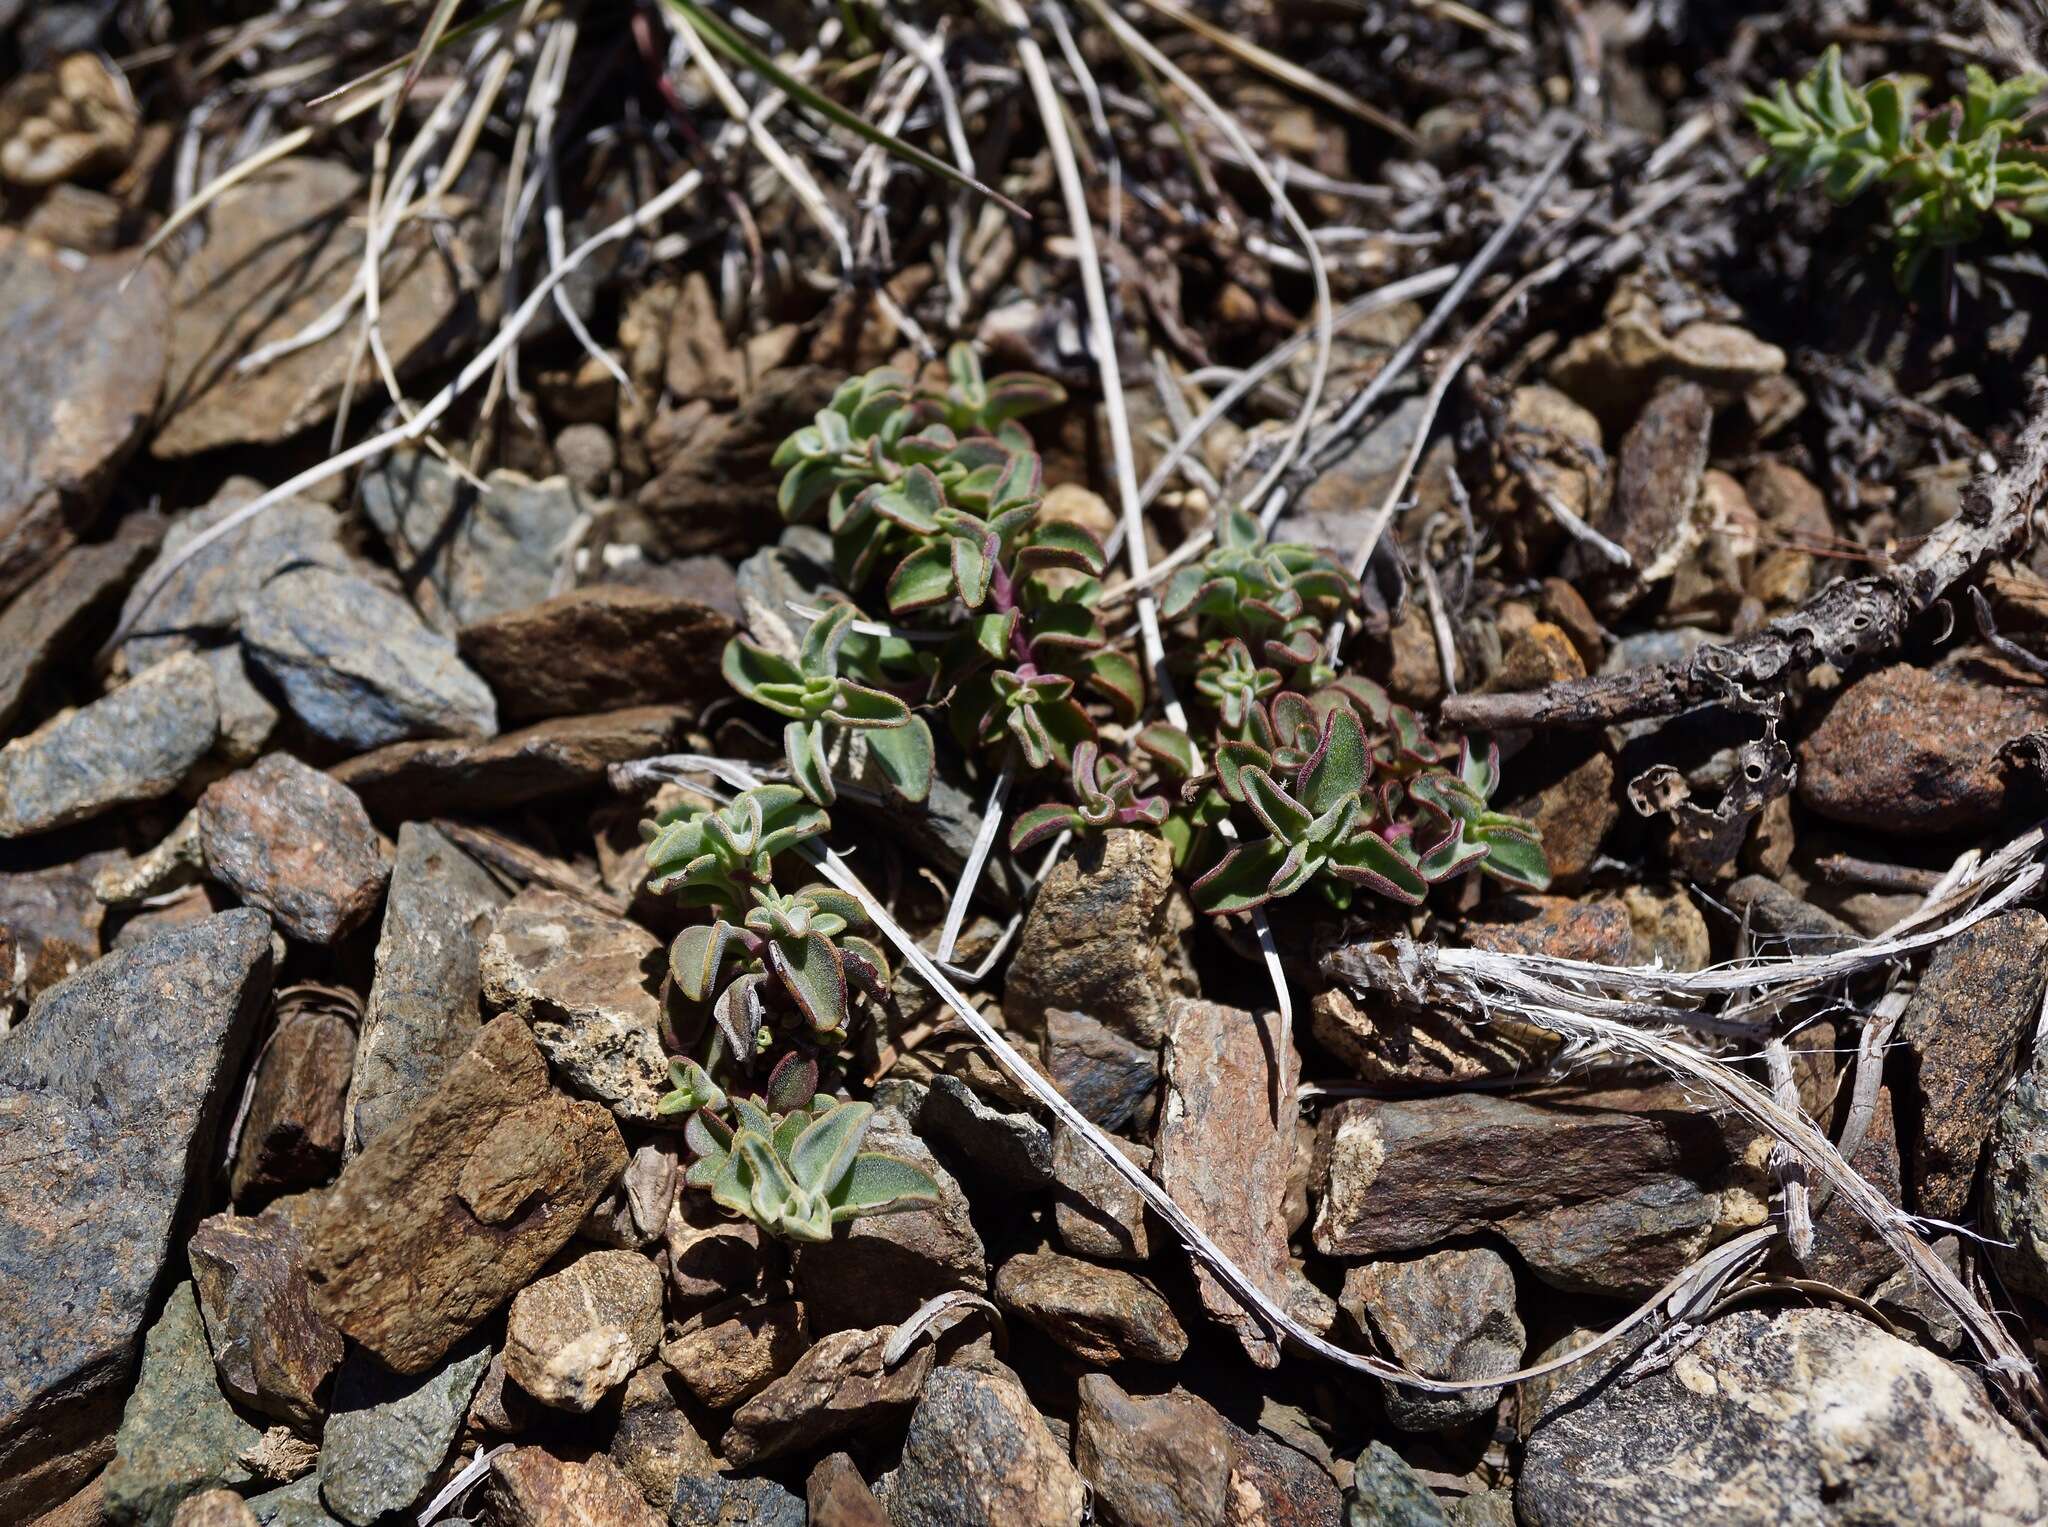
(336, 1007)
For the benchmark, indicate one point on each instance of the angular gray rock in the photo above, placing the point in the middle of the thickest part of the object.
(1386, 1492)
(1008, 1145)
(467, 556)
(839, 1386)
(54, 616)
(287, 838)
(1450, 1314)
(107, 1108)
(2016, 1184)
(727, 1500)
(178, 1435)
(86, 343)
(1107, 1077)
(389, 1433)
(977, 1453)
(423, 1009)
(1153, 1458)
(356, 664)
(1806, 1415)
(49, 928)
(1224, 1149)
(136, 744)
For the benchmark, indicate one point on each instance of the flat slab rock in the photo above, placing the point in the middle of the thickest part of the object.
(531, 1487)
(418, 779)
(85, 366)
(597, 649)
(454, 1208)
(389, 1433)
(1224, 1148)
(107, 1105)
(839, 1386)
(136, 744)
(287, 838)
(53, 617)
(1804, 1416)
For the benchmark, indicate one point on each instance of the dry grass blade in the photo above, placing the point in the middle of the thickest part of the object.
(429, 43)
(415, 60)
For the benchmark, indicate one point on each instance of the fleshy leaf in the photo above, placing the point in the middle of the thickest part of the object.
(824, 1152)
(808, 969)
(881, 1184)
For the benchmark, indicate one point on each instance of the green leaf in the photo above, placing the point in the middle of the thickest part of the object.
(912, 503)
(1244, 879)
(880, 1184)
(972, 570)
(922, 579)
(1112, 675)
(1342, 763)
(860, 706)
(1517, 858)
(791, 1083)
(1041, 823)
(1283, 816)
(748, 666)
(904, 755)
(698, 955)
(1369, 860)
(808, 969)
(1173, 748)
(1059, 543)
(824, 1153)
(820, 656)
(803, 747)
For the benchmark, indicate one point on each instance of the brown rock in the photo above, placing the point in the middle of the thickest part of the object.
(50, 927)
(1789, 503)
(1665, 926)
(840, 1385)
(289, 839)
(1970, 1025)
(271, 1349)
(598, 649)
(837, 1496)
(50, 619)
(213, 1508)
(292, 1135)
(713, 484)
(1573, 810)
(655, 1443)
(1156, 1458)
(1540, 655)
(1104, 937)
(1553, 926)
(1912, 750)
(1657, 484)
(531, 1487)
(1847, 1250)
(730, 1354)
(1100, 1314)
(439, 775)
(1594, 1198)
(1451, 1315)
(1225, 1146)
(454, 1208)
(1096, 1212)
(88, 364)
(75, 121)
(1564, 606)
(578, 1334)
(977, 1455)
(1409, 1047)
(1109, 1078)
(710, 1255)
(281, 249)
(553, 959)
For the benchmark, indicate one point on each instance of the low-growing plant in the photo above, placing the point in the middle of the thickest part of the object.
(1947, 172)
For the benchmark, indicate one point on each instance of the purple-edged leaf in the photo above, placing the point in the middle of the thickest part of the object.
(1453, 856)
(880, 1184)
(808, 969)
(804, 487)
(791, 1083)
(1516, 858)
(1281, 814)
(1018, 394)
(819, 657)
(707, 1135)
(1061, 543)
(922, 579)
(1369, 860)
(1480, 771)
(803, 748)
(1341, 764)
(1115, 677)
(1243, 879)
(990, 632)
(860, 706)
(1064, 628)
(738, 1015)
(904, 755)
(1296, 650)
(972, 569)
(913, 502)
(697, 958)
(1041, 823)
(1173, 748)
(866, 966)
(1152, 811)
(1233, 759)
(1193, 590)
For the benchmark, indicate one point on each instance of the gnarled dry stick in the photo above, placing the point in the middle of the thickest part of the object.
(1845, 623)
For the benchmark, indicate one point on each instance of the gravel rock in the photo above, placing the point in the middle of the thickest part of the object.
(586, 982)
(1847, 1250)
(1096, 1212)
(428, 778)
(576, 1335)
(1160, 1458)
(1774, 912)
(1450, 1314)
(837, 1496)
(49, 928)
(1969, 1026)
(281, 249)
(1106, 1076)
(1915, 750)
(178, 1434)
(390, 1433)
(1104, 937)
(531, 1487)
(1395, 1046)
(288, 839)
(86, 342)
(1011, 1147)
(214, 1508)
(729, 1354)
(1225, 1149)
(1100, 1314)
(1572, 802)
(111, 1094)
(271, 1349)
(1386, 1492)
(977, 1453)
(2016, 1184)
(356, 665)
(292, 1135)
(1553, 926)
(467, 556)
(422, 1012)
(838, 1386)
(56, 616)
(725, 1500)
(711, 1256)
(655, 1443)
(1656, 491)
(1806, 1415)
(136, 744)
(885, 1266)
(453, 1209)
(1595, 1200)
(596, 649)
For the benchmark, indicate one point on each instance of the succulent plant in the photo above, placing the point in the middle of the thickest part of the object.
(1947, 173)
(791, 953)
(1105, 795)
(1274, 596)
(819, 701)
(713, 857)
(791, 1161)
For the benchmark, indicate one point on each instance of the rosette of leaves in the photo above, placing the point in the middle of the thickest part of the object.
(1947, 173)
(820, 702)
(1326, 824)
(1276, 596)
(971, 404)
(715, 857)
(790, 967)
(1106, 795)
(791, 1161)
